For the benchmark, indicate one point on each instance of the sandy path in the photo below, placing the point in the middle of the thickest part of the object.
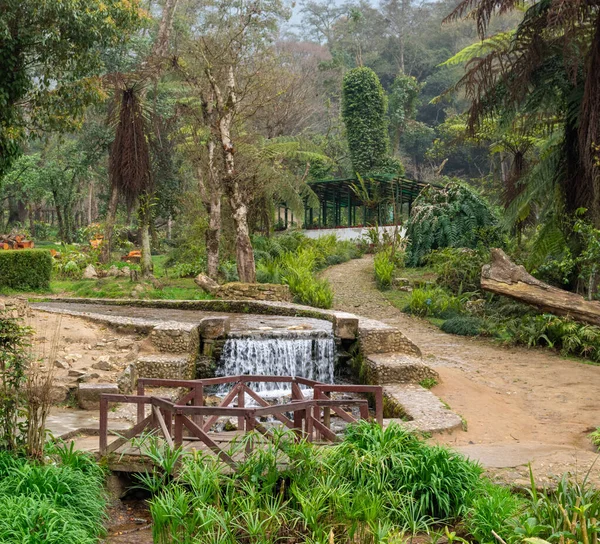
(520, 404)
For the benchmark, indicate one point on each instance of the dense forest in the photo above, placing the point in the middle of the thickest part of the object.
(181, 126)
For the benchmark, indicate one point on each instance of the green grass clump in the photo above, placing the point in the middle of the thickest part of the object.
(595, 437)
(51, 504)
(376, 486)
(428, 383)
(434, 302)
(463, 325)
(384, 269)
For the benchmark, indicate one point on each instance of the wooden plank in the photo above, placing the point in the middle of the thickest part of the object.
(281, 408)
(327, 433)
(127, 435)
(232, 394)
(286, 421)
(198, 432)
(163, 426)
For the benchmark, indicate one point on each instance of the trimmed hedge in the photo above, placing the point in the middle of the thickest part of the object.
(25, 269)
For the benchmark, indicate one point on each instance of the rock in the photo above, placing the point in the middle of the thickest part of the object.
(72, 357)
(84, 378)
(75, 373)
(125, 272)
(214, 327)
(103, 365)
(104, 359)
(88, 394)
(124, 343)
(399, 282)
(113, 272)
(127, 380)
(207, 284)
(137, 291)
(406, 288)
(58, 394)
(90, 272)
(130, 356)
(345, 327)
(60, 364)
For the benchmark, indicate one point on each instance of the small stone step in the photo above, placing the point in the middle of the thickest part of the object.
(424, 411)
(165, 367)
(88, 394)
(396, 368)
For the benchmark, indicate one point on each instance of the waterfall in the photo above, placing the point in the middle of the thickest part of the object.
(307, 356)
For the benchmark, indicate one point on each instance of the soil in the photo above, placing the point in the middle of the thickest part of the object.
(520, 405)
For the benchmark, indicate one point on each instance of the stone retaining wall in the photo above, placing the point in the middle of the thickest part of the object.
(255, 291)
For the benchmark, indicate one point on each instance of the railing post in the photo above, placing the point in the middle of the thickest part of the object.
(178, 438)
(298, 424)
(141, 413)
(308, 423)
(103, 425)
(250, 424)
(241, 402)
(379, 406)
(198, 401)
(364, 411)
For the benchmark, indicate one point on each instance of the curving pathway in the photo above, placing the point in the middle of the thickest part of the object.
(520, 405)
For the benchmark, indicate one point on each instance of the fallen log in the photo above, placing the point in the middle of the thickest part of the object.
(504, 277)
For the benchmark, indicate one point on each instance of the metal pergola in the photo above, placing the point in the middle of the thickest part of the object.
(347, 202)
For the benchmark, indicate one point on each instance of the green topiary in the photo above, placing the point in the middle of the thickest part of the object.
(25, 269)
(364, 112)
(463, 326)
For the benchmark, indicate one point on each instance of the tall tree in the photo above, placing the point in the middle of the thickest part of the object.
(49, 60)
(364, 111)
(225, 65)
(549, 70)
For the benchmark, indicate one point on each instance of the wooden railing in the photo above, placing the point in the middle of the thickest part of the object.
(311, 417)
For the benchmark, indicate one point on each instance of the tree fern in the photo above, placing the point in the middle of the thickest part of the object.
(448, 217)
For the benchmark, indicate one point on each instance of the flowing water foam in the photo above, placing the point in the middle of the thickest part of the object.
(309, 356)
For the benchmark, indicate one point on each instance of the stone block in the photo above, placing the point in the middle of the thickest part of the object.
(345, 327)
(88, 394)
(214, 327)
(164, 367)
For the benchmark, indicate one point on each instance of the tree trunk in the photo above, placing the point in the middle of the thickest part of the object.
(213, 235)
(243, 247)
(146, 266)
(503, 277)
(227, 108)
(111, 216)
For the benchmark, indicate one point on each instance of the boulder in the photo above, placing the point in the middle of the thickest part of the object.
(125, 272)
(102, 365)
(345, 327)
(207, 284)
(113, 272)
(214, 327)
(124, 343)
(88, 394)
(127, 380)
(90, 272)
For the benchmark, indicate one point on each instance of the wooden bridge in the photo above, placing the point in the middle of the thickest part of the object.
(188, 423)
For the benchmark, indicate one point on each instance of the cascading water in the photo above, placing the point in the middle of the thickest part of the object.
(307, 356)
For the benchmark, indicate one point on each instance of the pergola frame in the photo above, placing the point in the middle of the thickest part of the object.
(341, 205)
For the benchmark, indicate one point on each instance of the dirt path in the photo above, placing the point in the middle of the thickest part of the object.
(520, 404)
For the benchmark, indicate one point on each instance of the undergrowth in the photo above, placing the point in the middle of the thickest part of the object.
(56, 503)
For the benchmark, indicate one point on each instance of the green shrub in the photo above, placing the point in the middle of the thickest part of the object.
(434, 302)
(25, 269)
(53, 504)
(453, 216)
(458, 269)
(595, 437)
(384, 269)
(494, 509)
(463, 325)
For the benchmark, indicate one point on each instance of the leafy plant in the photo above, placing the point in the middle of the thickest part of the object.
(595, 437)
(453, 216)
(458, 269)
(463, 325)
(435, 302)
(384, 268)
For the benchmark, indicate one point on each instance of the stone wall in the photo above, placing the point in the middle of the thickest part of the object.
(254, 291)
(377, 337)
(174, 337)
(166, 368)
(13, 307)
